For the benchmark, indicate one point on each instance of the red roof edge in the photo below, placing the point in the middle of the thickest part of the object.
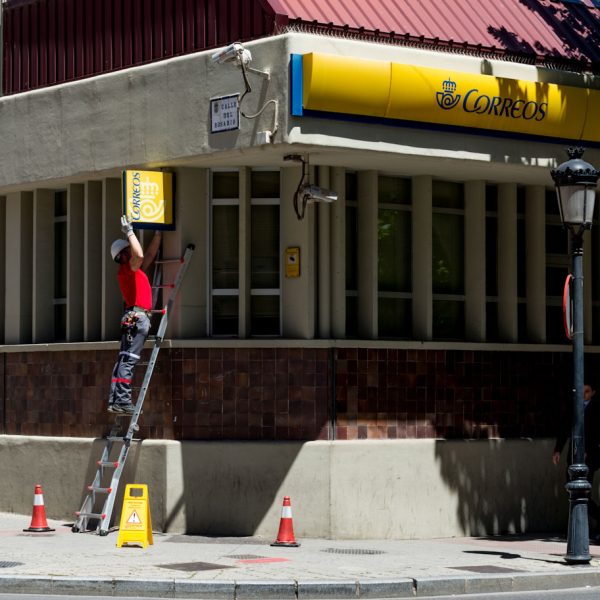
(277, 11)
(556, 62)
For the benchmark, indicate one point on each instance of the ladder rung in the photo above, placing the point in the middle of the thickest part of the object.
(157, 311)
(100, 490)
(164, 285)
(114, 438)
(107, 463)
(90, 515)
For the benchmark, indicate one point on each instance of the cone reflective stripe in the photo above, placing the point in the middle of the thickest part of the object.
(285, 537)
(38, 518)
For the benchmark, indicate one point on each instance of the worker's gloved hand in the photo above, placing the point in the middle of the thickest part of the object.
(126, 227)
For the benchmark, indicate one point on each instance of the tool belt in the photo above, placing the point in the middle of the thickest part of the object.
(138, 309)
(129, 322)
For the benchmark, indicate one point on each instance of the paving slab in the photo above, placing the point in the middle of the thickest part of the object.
(180, 566)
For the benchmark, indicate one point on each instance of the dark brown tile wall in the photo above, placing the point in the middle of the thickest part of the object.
(285, 393)
(195, 394)
(390, 393)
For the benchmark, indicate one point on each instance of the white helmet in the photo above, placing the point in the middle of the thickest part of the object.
(117, 246)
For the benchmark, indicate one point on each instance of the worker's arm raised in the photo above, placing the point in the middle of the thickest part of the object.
(137, 253)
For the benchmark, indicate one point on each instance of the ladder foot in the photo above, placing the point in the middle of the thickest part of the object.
(75, 529)
(103, 532)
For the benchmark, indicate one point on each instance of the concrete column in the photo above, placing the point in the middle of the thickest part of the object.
(338, 254)
(19, 267)
(535, 263)
(112, 301)
(2, 267)
(75, 261)
(475, 261)
(189, 319)
(422, 248)
(587, 288)
(298, 298)
(367, 254)
(324, 260)
(43, 267)
(245, 258)
(507, 263)
(93, 261)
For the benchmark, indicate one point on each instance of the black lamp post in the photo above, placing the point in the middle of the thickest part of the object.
(575, 182)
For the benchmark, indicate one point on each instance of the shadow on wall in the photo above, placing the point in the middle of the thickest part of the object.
(533, 497)
(230, 489)
(504, 488)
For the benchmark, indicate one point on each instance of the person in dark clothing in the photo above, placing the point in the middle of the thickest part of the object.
(591, 442)
(135, 323)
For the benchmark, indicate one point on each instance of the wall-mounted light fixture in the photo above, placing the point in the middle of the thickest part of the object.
(305, 192)
(236, 53)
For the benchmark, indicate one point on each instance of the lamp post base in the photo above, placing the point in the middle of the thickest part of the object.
(578, 543)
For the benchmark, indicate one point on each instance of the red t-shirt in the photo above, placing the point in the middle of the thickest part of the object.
(135, 287)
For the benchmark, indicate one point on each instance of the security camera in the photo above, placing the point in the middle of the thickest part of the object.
(231, 53)
(314, 193)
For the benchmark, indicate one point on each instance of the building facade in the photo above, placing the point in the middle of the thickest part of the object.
(428, 301)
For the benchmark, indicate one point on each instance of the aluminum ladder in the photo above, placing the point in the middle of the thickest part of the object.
(98, 490)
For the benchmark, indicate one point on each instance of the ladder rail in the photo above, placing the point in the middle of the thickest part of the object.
(104, 517)
(109, 503)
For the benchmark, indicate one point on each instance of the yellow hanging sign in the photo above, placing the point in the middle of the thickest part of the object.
(136, 523)
(148, 198)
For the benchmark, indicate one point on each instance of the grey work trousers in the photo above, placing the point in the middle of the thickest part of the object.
(129, 355)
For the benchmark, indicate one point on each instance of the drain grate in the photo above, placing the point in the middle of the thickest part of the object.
(352, 551)
(195, 566)
(7, 563)
(243, 556)
(487, 569)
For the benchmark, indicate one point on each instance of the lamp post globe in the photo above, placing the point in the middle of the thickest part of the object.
(575, 182)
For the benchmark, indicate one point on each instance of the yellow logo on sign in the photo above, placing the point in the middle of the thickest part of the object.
(148, 197)
(136, 523)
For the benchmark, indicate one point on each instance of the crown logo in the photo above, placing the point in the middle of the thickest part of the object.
(449, 86)
(149, 190)
(446, 98)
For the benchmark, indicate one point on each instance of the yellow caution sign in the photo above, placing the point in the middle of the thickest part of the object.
(136, 523)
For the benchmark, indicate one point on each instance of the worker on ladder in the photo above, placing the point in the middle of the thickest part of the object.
(135, 324)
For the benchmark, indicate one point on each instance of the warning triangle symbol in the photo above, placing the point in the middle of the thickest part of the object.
(134, 518)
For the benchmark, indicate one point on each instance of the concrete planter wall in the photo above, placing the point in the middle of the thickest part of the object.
(361, 489)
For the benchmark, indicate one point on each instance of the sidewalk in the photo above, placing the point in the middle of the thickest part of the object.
(236, 568)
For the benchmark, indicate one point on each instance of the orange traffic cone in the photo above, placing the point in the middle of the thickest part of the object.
(38, 519)
(285, 537)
